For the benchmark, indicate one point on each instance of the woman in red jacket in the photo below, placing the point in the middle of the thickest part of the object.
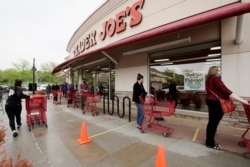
(215, 84)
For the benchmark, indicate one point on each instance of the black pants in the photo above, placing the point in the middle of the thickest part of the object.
(214, 117)
(14, 113)
(55, 98)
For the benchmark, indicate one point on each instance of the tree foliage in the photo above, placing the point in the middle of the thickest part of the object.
(23, 70)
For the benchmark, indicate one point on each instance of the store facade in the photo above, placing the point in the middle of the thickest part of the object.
(164, 40)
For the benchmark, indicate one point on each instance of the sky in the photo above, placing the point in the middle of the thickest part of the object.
(40, 30)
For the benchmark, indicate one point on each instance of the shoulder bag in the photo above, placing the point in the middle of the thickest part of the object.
(226, 105)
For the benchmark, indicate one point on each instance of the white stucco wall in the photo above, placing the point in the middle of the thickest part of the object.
(235, 73)
(236, 57)
(127, 70)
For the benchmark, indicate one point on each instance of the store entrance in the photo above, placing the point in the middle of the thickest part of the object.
(100, 78)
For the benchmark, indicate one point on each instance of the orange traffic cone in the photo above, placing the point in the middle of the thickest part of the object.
(84, 135)
(160, 161)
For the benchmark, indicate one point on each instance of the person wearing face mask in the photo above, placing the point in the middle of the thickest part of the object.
(139, 91)
(215, 113)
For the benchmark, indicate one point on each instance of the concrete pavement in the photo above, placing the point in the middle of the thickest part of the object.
(116, 142)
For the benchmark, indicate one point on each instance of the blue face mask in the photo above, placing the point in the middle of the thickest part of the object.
(218, 74)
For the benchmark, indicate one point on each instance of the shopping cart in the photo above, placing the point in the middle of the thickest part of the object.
(36, 107)
(152, 113)
(245, 142)
(90, 100)
(73, 99)
(55, 96)
(59, 96)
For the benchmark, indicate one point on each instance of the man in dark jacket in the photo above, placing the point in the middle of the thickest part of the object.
(13, 106)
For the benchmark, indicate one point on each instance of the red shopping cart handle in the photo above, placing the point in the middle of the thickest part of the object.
(246, 105)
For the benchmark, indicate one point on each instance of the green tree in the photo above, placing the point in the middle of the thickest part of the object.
(22, 65)
(22, 70)
(9, 76)
(45, 75)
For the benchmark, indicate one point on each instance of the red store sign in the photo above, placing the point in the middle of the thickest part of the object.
(112, 26)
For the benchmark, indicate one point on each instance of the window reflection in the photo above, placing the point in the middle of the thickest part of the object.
(189, 80)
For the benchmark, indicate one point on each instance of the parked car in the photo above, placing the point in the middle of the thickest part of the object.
(179, 88)
(25, 88)
(42, 87)
(5, 88)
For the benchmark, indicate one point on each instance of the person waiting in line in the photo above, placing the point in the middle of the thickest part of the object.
(55, 88)
(173, 92)
(139, 92)
(13, 106)
(83, 89)
(84, 86)
(64, 88)
(70, 93)
(71, 87)
(48, 91)
(215, 84)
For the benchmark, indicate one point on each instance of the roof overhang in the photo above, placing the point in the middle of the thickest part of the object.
(199, 19)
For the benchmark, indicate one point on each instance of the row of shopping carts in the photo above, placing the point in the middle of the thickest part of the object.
(36, 108)
(85, 100)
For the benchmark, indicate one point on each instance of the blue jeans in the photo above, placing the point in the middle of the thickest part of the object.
(140, 114)
(48, 95)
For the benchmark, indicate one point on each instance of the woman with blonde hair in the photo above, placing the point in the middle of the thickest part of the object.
(215, 84)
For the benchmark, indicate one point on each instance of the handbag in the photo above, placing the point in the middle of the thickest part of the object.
(227, 105)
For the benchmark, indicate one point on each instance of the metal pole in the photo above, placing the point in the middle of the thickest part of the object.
(33, 69)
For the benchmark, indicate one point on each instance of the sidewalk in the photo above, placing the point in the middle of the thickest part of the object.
(116, 142)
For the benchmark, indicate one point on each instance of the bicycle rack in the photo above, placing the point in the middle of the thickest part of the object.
(117, 104)
(121, 115)
(129, 106)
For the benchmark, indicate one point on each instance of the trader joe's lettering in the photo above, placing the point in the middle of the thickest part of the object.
(86, 43)
(118, 25)
(112, 26)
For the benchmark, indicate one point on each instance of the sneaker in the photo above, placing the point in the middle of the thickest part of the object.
(138, 127)
(19, 126)
(15, 134)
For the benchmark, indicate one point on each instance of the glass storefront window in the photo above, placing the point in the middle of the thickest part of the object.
(99, 77)
(189, 80)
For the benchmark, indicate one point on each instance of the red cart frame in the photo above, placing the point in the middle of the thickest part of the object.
(245, 141)
(57, 96)
(152, 113)
(89, 101)
(36, 107)
(73, 99)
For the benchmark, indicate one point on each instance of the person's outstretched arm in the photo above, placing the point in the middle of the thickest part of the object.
(236, 97)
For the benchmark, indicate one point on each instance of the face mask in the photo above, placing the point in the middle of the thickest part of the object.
(218, 74)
